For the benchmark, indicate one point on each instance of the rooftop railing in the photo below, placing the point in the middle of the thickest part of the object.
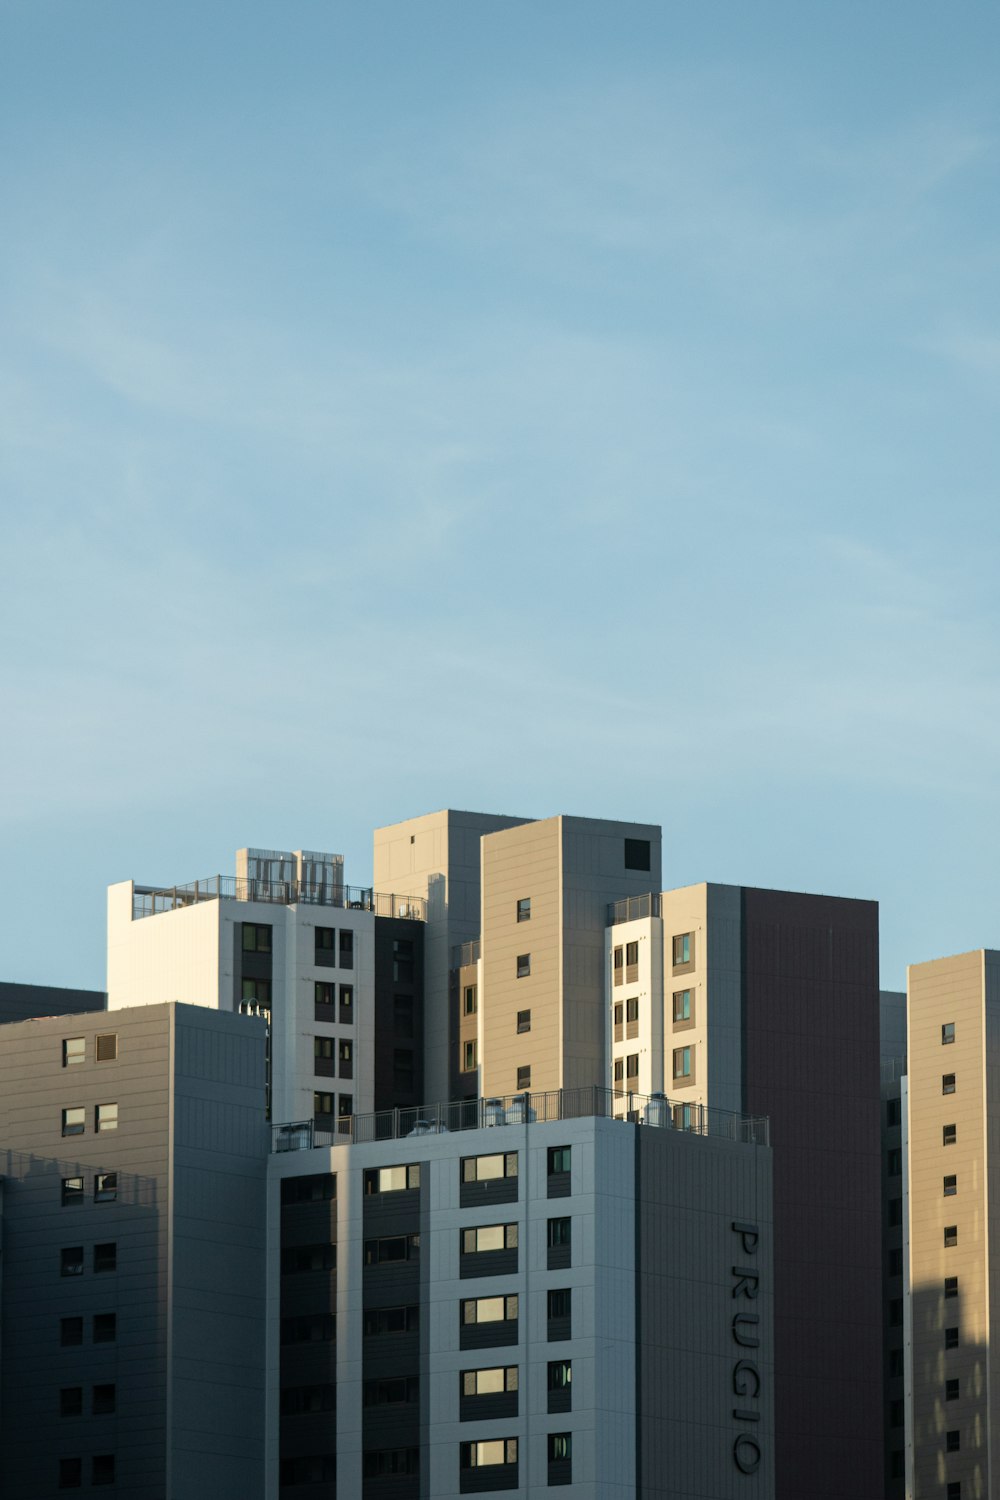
(524, 1109)
(465, 953)
(148, 901)
(631, 908)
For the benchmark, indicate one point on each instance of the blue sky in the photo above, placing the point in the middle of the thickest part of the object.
(536, 408)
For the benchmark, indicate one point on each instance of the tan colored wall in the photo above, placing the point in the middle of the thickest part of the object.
(948, 990)
(686, 910)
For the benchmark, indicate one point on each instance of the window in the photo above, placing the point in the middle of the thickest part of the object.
(523, 965)
(524, 1078)
(297, 1260)
(618, 963)
(619, 1070)
(391, 1179)
(256, 992)
(524, 909)
(469, 1053)
(319, 1187)
(299, 1399)
(896, 1363)
(947, 1083)
(895, 1212)
(105, 1117)
(950, 1186)
(345, 1053)
(323, 993)
(346, 948)
(72, 1190)
(105, 1328)
(524, 1020)
(70, 1332)
(102, 1468)
(560, 1447)
(632, 1065)
(947, 1033)
(107, 1047)
(74, 1121)
(953, 1441)
(682, 949)
(954, 1490)
(632, 1010)
(106, 1257)
(892, 1112)
(949, 1134)
(560, 1308)
(345, 1104)
(322, 1103)
(895, 1414)
(682, 1062)
(951, 1338)
(682, 1005)
(311, 1468)
(951, 1390)
(326, 940)
(469, 1001)
(392, 1390)
(381, 1320)
(560, 1232)
(896, 1311)
(102, 1400)
(347, 1004)
(71, 1261)
(489, 1168)
(950, 1235)
(488, 1237)
(619, 1014)
(309, 1328)
(637, 854)
(402, 968)
(74, 1050)
(894, 1162)
(105, 1187)
(560, 1374)
(402, 1015)
(492, 1382)
(403, 1073)
(391, 1249)
(559, 1159)
(323, 1049)
(895, 1262)
(489, 1310)
(378, 1462)
(488, 1454)
(256, 938)
(951, 1286)
(70, 1473)
(71, 1401)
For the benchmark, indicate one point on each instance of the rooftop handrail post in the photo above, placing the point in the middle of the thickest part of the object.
(395, 1123)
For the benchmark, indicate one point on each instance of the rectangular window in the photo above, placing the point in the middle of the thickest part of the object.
(402, 1015)
(106, 1257)
(947, 1083)
(345, 1055)
(892, 1112)
(391, 1179)
(296, 1400)
(895, 1262)
(346, 948)
(951, 1338)
(682, 1005)
(560, 1447)
(71, 1261)
(469, 1063)
(954, 1491)
(524, 909)
(489, 1454)
(560, 1232)
(392, 1249)
(105, 1187)
(632, 1010)
(105, 1328)
(102, 1468)
(947, 1033)
(256, 992)
(560, 1374)
(74, 1121)
(559, 1159)
(523, 965)
(896, 1414)
(346, 1004)
(322, 1103)
(71, 1401)
(491, 1382)
(951, 1286)
(487, 1237)
(894, 1162)
(256, 938)
(631, 955)
(323, 994)
(323, 1048)
(326, 939)
(489, 1168)
(895, 1212)
(632, 1065)
(949, 1134)
(345, 1105)
(319, 1187)
(70, 1332)
(105, 1117)
(682, 949)
(682, 1062)
(619, 1070)
(74, 1050)
(103, 1400)
(72, 1190)
(402, 971)
(953, 1441)
(489, 1310)
(950, 1186)
(469, 1002)
(70, 1473)
(391, 1320)
(298, 1260)
(309, 1328)
(952, 1390)
(637, 854)
(378, 1463)
(523, 1078)
(107, 1047)
(896, 1311)
(392, 1390)
(524, 1020)
(619, 1015)
(618, 964)
(950, 1235)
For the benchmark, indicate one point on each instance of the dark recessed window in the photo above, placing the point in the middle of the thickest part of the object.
(637, 854)
(102, 1468)
(560, 1232)
(559, 1159)
(524, 1020)
(70, 1332)
(469, 1003)
(105, 1187)
(326, 939)
(950, 1235)
(71, 1401)
(896, 1311)
(895, 1262)
(469, 1063)
(103, 1398)
(105, 1328)
(256, 938)
(895, 1212)
(892, 1112)
(947, 1033)
(632, 1010)
(950, 1186)
(106, 1257)
(952, 1390)
(632, 1064)
(953, 1441)
(322, 1103)
(524, 909)
(345, 1104)
(947, 1083)
(951, 1338)
(894, 1162)
(949, 1134)
(523, 1078)
(70, 1473)
(71, 1261)
(523, 965)
(951, 1286)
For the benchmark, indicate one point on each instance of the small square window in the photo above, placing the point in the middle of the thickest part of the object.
(469, 1004)
(105, 1328)
(103, 1400)
(107, 1047)
(106, 1117)
(74, 1050)
(71, 1401)
(70, 1332)
(637, 853)
(523, 965)
(524, 1020)
(106, 1257)
(947, 1033)
(74, 1121)
(524, 909)
(949, 1134)
(950, 1186)
(71, 1261)
(105, 1187)
(952, 1390)
(70, 1473)
(953, 1441)
(951, 1286)
(951, 1338)
(954, 1491)
(947, 1083)
(72, 1190)
(523, 1079)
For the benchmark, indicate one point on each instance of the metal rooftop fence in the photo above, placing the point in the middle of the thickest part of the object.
(149, 902)
(631, 908)
(523, 1109)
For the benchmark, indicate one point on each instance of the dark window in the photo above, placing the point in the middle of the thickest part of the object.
(524, 1020)
(619, 1015)
(950, 1235)
(379, 1462)
(74, 1121)
(107, 1047)
(559, 1302)
(346, 1004)
(72, 1190)
(256, 992)
(682, 948)
(326, 939)
(391, 1249)
(895, 1413)
(402, 970)
(523, 965)
(895, 1212)
(560, 1374)
(102, 1468)
(947, 1083)
(953, 1441)
(469, 1056)
(618, 964)
(311, 1468)
(631, 955)
(895, 1262)
(560, 1447)
(637, 854)
(951, 1286)
(469, 1003)
(949, 1134)
(256, 938)
(402, 1015)
(74, 1050)
(952, 1390)
(71, 1401)
(632, 1065)
(103, 1400)
(299, 1258)
(309, 1328)
(950, 1186)
(70, 1331)
(619, 1070)
(403, 1075)
(632, 1010)
(346, 1105)
(71, 1261)
(105, 1328)
(296, 1400)
(892, 1114)
(951, 1338)
(345, 1053)
(524, 909)
(560, 1231)
(393, 1390)
(559, 1159)
(323, 1047)
(70, 1473)
(894, 1162)
(896, 1363)
(105, 1187)
(382, 1320)
(947, 1033)
(106, 1257)
(322, 1103)
(324, 993)
(319, 1187)
(524, 1078)
(346, 948)
(954, 1490)
(896, 1311)
(897, 1465)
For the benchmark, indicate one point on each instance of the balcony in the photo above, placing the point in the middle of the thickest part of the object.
(632, 908)
(148, 901)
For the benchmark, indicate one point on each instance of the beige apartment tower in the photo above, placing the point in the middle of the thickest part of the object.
(953, 1188)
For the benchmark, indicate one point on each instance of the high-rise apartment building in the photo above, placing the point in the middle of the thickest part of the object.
(892, 1041)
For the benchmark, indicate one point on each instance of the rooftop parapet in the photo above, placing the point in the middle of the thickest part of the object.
(149, 901)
